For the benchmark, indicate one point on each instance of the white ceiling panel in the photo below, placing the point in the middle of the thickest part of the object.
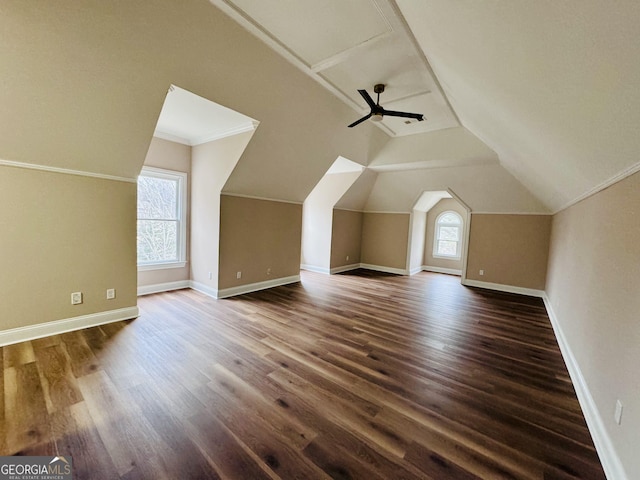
(315, 31)
(190, 119)
(437, 115)
(347, 45)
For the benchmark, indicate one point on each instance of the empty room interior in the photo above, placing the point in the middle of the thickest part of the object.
(321, 239)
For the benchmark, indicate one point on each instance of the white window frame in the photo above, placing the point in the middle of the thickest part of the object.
(181, 179)
(436, 235)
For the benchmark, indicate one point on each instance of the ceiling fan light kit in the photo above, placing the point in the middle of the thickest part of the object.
(377, 112)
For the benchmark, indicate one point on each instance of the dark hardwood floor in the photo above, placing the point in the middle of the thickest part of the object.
(353, 376)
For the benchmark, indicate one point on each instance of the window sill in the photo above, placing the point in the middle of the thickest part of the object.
(446, 257)
(161, 266)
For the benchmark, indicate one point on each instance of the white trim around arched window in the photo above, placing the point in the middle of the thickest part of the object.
(447, 237)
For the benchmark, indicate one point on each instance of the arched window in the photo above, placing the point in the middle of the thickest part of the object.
(448, 236)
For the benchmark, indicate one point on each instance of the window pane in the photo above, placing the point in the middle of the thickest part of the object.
(449, 233)
(448, 248)
(157, 198)
(157, 241)
(449, 218)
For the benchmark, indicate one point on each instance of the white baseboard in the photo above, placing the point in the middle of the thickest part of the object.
(40, 330)
(202, 288)
(382, 268)
(254, 287)
(415, 270)
(314, 268)
(611, 463)
(504, 288)
(163, 287)
(448, 271)
(345, 268)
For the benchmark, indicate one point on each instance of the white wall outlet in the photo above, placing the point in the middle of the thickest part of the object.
(210, 275)
(618, 414)
(347, 258)
(76, 298)
(239, 275)
(111, 293)
(481, 272)
(269, 271)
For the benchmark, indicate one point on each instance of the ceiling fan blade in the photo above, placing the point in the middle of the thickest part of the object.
(358, 122)
(391, 113)
(367, 98)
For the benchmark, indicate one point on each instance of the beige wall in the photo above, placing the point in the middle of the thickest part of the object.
(170, 156)
(593, 283)
(257, 235)
(211, 166)
(346, 237)
(442, 206)
(61, 234)
(511, 249)
(385, 238)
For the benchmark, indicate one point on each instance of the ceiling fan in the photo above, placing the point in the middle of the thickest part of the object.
(377, 112)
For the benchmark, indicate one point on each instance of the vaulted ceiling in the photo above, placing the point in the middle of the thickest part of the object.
(529, 105)
(550, 87)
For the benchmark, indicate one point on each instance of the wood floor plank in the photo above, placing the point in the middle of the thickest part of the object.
(181, 459)
(26, 416)
(362, 375)
(18, 354)
(74, 431)
(227, 453)
(276, 450)
(57, 379)
(127, 437)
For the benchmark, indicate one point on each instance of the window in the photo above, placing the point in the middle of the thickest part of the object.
(448, 233)
(162, 204)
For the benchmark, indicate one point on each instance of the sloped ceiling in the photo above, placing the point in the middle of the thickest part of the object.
(83, 84)
(552, 87)
(350, 45)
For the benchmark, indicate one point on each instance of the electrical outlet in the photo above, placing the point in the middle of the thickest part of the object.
(269, 271)
(76, 298)
(111, 293)
(618, 414)
(481, 272)
(239, 275)
(347, 258)
(210, 275)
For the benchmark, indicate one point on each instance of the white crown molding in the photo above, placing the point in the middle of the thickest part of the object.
(503, 288)
(248, 127)
(627, 172)
(254, 287)
(348, 209)
(65, 171)
(390, 212)
(611, 463)
(447, 271)
(40, 330)
(163, 287)
(227, 133)
(171, 138)
(513, 213)
(252, 197)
